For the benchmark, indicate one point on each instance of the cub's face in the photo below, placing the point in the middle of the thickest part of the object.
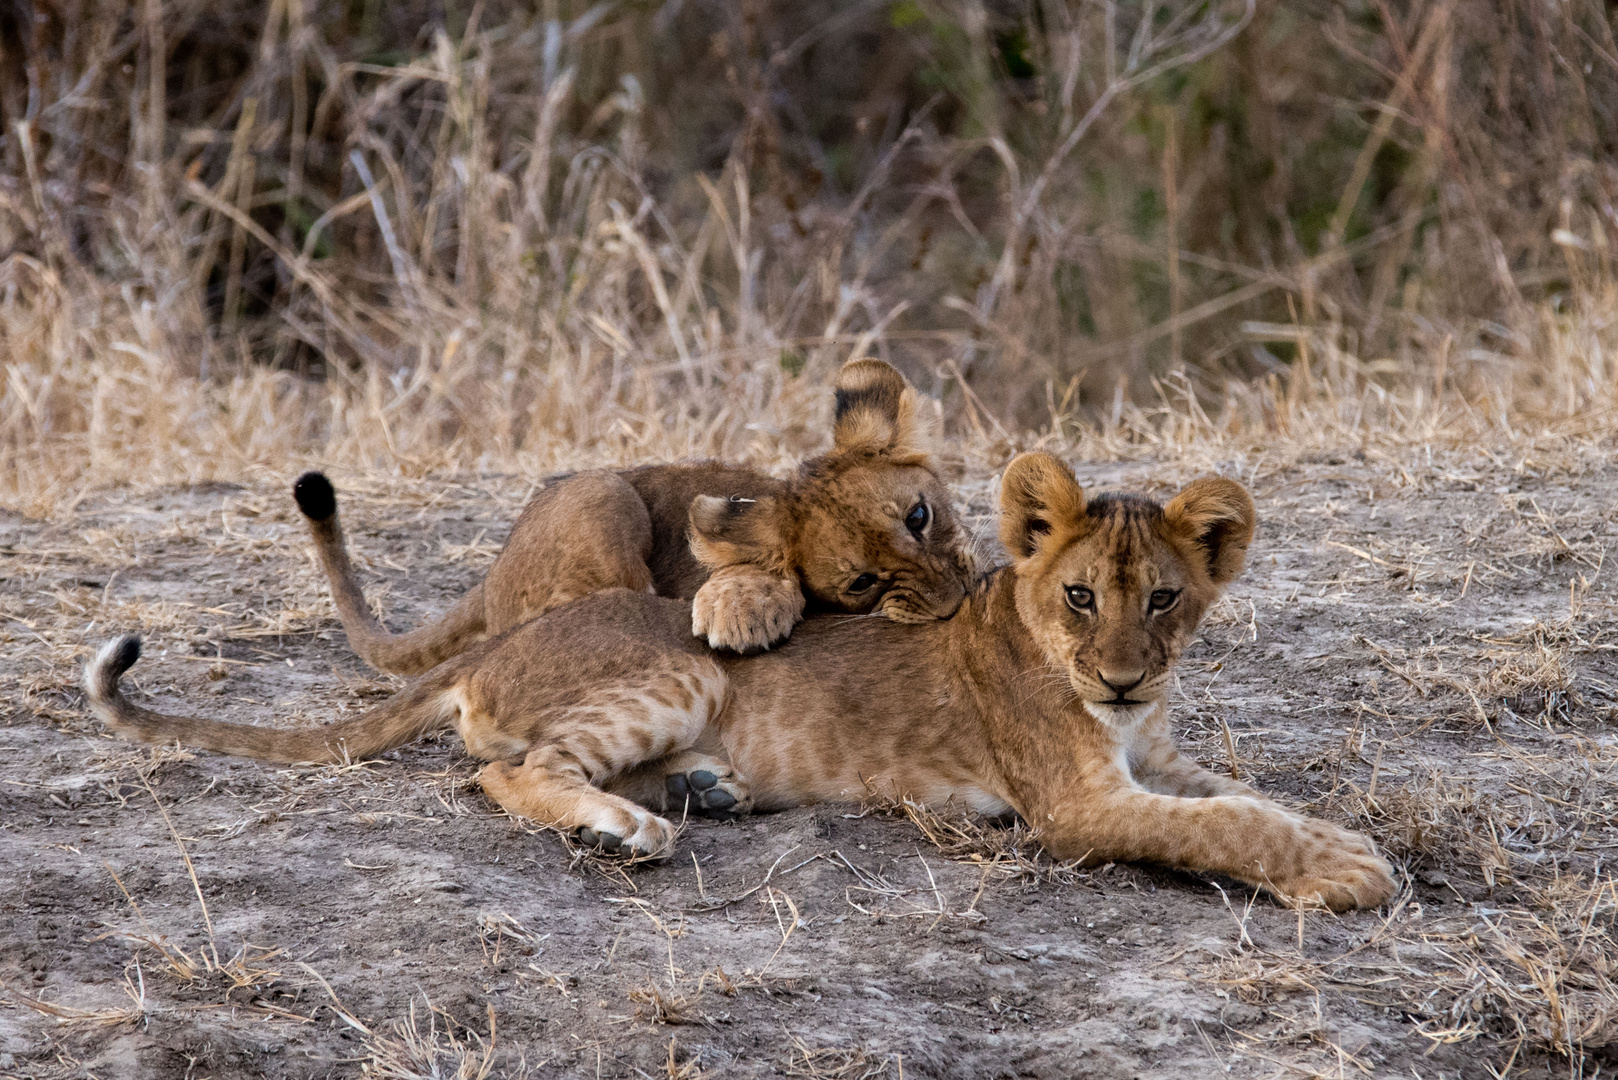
(1113, 588)
(878, 537)
(866, 527)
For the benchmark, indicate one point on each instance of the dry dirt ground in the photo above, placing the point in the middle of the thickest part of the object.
(1420, 648)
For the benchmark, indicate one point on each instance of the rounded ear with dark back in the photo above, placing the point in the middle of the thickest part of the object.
(727, 532)
(1039, 498)
(879, 412)
(1217, 516)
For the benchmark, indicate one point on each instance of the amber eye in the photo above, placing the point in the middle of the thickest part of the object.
(862, 583)
(1163, 599)
(916, 521)
(1080, 598)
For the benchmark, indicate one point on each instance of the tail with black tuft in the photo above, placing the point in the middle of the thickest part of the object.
(431, 704)
(403, 654)
(101, 676)
(315, 496)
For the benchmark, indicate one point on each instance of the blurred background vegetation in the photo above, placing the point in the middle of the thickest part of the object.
(1043, 210)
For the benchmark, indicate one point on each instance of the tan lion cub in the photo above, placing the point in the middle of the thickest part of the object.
(1043, 694)
(867, 527)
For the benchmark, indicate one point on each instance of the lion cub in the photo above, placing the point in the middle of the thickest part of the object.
(867, 527)
(1042, 694)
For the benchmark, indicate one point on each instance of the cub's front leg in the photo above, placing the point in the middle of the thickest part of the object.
(1244, 836)
(1164, 770)
(746, 609)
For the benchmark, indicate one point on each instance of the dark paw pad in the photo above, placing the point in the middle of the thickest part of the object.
(699, 792)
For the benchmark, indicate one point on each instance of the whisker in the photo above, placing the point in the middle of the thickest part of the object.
(841, 619)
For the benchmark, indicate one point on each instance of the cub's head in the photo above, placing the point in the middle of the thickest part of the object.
(867, 527)
(1113, 587)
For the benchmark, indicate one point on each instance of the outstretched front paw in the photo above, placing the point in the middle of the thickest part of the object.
(710, 789)
(745, 609)
(1338, 869)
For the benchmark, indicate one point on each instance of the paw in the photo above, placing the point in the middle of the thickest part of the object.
(634, 833)
(711, 789)
(1338, 869)
(745, 609)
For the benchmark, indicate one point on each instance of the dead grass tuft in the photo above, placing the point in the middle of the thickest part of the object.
(1005, 851)
(840, 1063)
(446, 1050)
(657, 1005)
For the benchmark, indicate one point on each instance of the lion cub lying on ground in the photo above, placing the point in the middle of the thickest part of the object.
(867, 527)
(1043, 694)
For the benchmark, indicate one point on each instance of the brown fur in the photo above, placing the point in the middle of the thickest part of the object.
(772, 547)
(1026, 699)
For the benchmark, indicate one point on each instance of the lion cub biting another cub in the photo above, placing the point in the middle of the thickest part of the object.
(866, 527)
(1042, 694)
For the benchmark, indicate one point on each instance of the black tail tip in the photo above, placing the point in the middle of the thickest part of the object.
(123, 654)
(315, 496)
(116, 657)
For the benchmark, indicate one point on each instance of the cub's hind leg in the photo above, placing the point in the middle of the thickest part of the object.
(614, 729)
(579, 536)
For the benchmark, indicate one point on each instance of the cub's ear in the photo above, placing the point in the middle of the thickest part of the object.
(1038, 497)
(1218, 518)
(725, 532)
(879, 412)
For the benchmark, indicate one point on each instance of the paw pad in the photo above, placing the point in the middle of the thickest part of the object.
(700, 792)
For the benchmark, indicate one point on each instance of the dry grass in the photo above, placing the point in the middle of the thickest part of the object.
(1006, 852)
(444, 1051)
(840, 1063)
(1540, 975)
(487, 245)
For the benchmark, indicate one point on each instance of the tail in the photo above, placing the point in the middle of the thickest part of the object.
(403, 654)
(430, 705)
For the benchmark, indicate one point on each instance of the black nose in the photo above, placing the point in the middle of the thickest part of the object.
(1120, 683)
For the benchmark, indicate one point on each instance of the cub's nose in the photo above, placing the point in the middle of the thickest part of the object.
(1121, 682)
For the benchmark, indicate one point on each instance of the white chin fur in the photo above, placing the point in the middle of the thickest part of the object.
(1122, 717)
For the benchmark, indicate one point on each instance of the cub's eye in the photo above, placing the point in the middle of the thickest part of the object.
(1163, 599)
(1080, 599)
(862, 583)
(918, 518)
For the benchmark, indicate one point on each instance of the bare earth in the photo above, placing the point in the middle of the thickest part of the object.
(1420, 648)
